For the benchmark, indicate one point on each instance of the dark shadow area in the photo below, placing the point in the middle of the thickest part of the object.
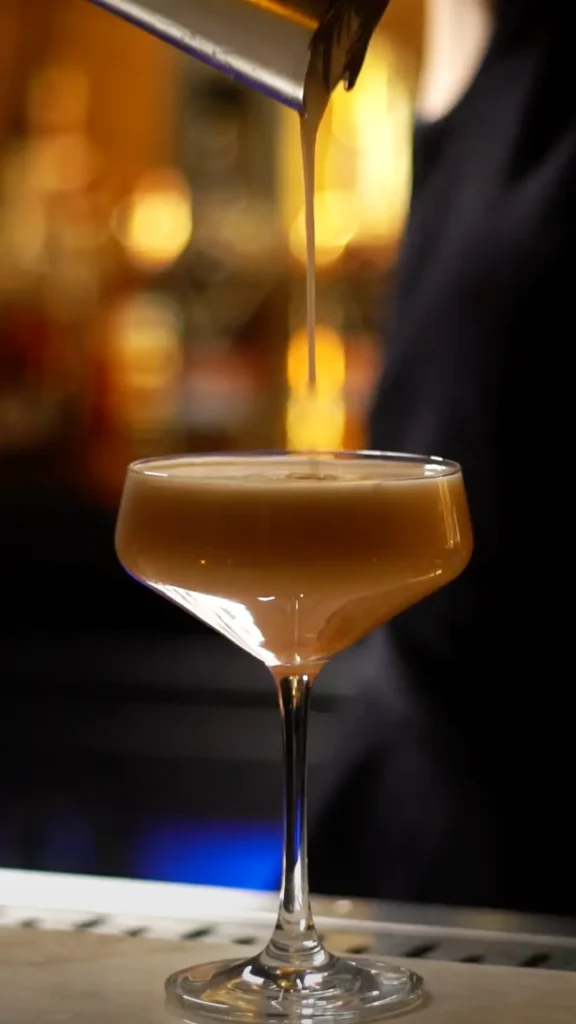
(136, 741)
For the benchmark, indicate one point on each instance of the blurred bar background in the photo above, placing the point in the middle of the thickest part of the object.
(152, 301)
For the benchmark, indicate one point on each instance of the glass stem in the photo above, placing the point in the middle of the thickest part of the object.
(295, 942)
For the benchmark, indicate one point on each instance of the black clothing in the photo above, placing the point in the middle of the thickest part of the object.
(461, 792)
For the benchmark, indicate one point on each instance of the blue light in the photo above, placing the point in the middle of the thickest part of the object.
(228, 853)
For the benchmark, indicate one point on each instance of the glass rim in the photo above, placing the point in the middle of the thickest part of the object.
(448, 466)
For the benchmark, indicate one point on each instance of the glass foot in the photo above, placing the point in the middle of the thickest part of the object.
(340, 991)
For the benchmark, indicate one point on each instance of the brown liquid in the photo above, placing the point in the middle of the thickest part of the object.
(308, 133)
(326, 69)
(315, 101)
(297, 558)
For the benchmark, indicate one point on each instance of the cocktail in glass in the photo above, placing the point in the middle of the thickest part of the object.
(294, 557)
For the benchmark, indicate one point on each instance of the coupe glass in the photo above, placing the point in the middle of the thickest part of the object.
(294, 556)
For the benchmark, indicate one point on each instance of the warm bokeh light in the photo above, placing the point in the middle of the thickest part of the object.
(382, 110)
(363, 161)
(144, 357)
(314, 422)
(155, 224)
(152, 246)
(316, 419)
(337, 223)
(330, 362)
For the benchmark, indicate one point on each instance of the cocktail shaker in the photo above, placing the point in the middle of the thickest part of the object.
(274, 46)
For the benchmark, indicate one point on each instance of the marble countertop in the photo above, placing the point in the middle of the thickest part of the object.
(82, 978)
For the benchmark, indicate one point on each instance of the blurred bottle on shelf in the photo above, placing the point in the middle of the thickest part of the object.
(52, 261)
